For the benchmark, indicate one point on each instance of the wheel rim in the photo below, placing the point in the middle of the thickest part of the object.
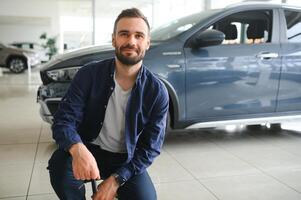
(17, 65)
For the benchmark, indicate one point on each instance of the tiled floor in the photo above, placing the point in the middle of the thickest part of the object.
(199, 165)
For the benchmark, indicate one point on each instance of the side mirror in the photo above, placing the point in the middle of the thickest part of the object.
(208, 37)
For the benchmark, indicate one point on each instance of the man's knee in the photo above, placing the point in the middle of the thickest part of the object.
(138, 193)
(57, 166)
(61, 176)
(145, 194)
(60, 162)
(140, 187)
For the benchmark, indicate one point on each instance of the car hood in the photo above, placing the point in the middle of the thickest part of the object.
(82, 51)
(76, 53)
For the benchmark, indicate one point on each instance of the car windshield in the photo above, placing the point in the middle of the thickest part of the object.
(178, 26)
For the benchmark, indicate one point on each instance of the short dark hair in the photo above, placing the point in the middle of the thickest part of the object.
(131, 12)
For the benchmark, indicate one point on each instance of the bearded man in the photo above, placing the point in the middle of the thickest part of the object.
(110, 125)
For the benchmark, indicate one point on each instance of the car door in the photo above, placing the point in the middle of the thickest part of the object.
(238, 77)
(289, 98)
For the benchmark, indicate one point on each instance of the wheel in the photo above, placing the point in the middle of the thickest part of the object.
(17, 65)
(168, 127)
(275, 127)
(255, 127)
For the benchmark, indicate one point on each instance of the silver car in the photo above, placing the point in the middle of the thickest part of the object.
(17, 60)
(43, 53)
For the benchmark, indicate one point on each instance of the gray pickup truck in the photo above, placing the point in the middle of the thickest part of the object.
(236, 65)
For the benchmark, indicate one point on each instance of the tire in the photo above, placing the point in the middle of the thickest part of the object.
(255, 127)
(168, 127)
(17, 65)
(275, 127)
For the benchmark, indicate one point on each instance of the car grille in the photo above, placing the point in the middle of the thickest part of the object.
(52, 106)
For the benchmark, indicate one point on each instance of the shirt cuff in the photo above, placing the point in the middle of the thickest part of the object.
(74, 140)
(126, 172)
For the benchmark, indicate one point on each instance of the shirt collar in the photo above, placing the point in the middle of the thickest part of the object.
(141, 70)
(140, 73)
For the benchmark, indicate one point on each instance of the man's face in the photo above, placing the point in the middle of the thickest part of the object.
(130, 40)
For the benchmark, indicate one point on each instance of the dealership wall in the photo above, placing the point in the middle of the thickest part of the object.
(71, 21)
(26, 20)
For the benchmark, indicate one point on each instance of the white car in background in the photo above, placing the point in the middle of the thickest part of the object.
(17, 60)
(42, 52)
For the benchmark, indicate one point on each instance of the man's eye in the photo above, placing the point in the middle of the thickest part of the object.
(139, 36)
(123, 34)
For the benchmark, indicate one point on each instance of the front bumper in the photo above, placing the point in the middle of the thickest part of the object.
(48, 108)
(49, 97)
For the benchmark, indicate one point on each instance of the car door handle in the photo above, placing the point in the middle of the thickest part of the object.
(267, 55)
(173, 66)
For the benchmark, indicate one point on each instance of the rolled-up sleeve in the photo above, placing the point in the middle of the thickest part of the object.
(71, 109)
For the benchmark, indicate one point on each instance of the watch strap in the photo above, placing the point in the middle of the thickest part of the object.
(121, 181)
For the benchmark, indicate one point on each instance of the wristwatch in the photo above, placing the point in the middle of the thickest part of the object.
(119, 179)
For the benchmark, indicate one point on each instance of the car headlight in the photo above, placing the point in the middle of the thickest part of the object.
(65, 74)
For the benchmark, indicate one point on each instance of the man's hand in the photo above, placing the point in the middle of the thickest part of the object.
(107, 189)
(83, 163)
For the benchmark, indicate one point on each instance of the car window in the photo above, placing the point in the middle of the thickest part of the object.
(178, 26)
(173, 28)
(27, 46)
(17, 45)
(248, 27)
(293, 22)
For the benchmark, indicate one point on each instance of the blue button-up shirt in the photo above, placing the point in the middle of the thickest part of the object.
(82, 110)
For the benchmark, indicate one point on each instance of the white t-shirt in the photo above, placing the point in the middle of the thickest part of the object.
(112, 135)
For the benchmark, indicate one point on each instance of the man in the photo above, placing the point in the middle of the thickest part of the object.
(110, 124)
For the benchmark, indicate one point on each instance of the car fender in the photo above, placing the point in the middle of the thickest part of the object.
(173, 102)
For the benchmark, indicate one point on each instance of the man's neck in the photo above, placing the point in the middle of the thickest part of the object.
(126, 75)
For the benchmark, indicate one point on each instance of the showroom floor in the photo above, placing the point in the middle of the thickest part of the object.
(220, 164)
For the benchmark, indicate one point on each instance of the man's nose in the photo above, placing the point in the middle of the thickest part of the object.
(132, 40)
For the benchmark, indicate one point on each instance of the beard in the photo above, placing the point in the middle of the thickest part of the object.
(127, 60)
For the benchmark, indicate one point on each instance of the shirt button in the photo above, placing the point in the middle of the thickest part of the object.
(112, 88)
(105, 106)
(101, 123)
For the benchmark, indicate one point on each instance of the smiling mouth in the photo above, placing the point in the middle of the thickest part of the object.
(129, 51)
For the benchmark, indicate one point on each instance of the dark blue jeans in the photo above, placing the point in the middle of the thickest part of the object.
(139, 187)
